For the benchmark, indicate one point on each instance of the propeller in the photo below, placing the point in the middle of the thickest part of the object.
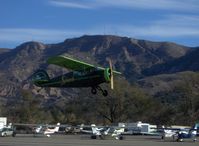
(111, 77)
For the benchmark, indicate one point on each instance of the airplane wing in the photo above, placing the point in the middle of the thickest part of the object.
(69, 63)
(44, 125)
(151, 133)
(24, 124)
(73, 64)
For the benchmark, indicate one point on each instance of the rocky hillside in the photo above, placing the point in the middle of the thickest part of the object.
(3, 50)
(136, 59)
(188, 62)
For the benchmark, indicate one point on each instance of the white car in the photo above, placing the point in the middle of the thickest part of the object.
(7, 132)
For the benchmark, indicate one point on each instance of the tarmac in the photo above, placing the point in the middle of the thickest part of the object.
(84, 140)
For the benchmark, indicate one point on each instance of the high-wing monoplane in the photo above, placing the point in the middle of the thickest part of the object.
(83, 75)
(46, 130)
(40, 129)
(179, 134)
(103, 132)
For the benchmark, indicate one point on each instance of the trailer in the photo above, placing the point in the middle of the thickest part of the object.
(139, 128)
(3, 122)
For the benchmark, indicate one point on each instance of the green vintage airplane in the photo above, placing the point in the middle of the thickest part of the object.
(83, 75)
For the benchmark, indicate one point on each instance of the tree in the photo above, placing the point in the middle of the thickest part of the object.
(28, 109)
(125, 103)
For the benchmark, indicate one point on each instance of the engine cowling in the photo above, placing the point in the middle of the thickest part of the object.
(107, 74)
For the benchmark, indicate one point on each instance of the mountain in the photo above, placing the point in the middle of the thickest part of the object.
(190, 61)
(164, 83)
(3, 50)
(136, 59)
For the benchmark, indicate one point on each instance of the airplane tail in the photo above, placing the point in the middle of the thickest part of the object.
(38, 129)
(194, 129)
(196, 126)
(57, 128)
(40, 77)
(94, 128)
(49, 131)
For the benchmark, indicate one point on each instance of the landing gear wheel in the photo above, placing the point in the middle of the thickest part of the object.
(93, 91)
(95, 88)
(105, 93)
(121, 137)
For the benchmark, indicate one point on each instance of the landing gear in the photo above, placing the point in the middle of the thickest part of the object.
(94, 90)
(121, 137)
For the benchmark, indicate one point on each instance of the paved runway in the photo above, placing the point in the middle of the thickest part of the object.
(84, 140)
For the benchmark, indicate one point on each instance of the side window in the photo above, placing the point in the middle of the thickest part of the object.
(76, 73)
(5, 129)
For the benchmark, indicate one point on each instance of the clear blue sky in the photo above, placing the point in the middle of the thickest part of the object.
(53, 21)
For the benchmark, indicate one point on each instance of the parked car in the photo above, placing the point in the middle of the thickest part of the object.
(7, 132)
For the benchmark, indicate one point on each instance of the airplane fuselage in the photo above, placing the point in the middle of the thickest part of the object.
(75, 79)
